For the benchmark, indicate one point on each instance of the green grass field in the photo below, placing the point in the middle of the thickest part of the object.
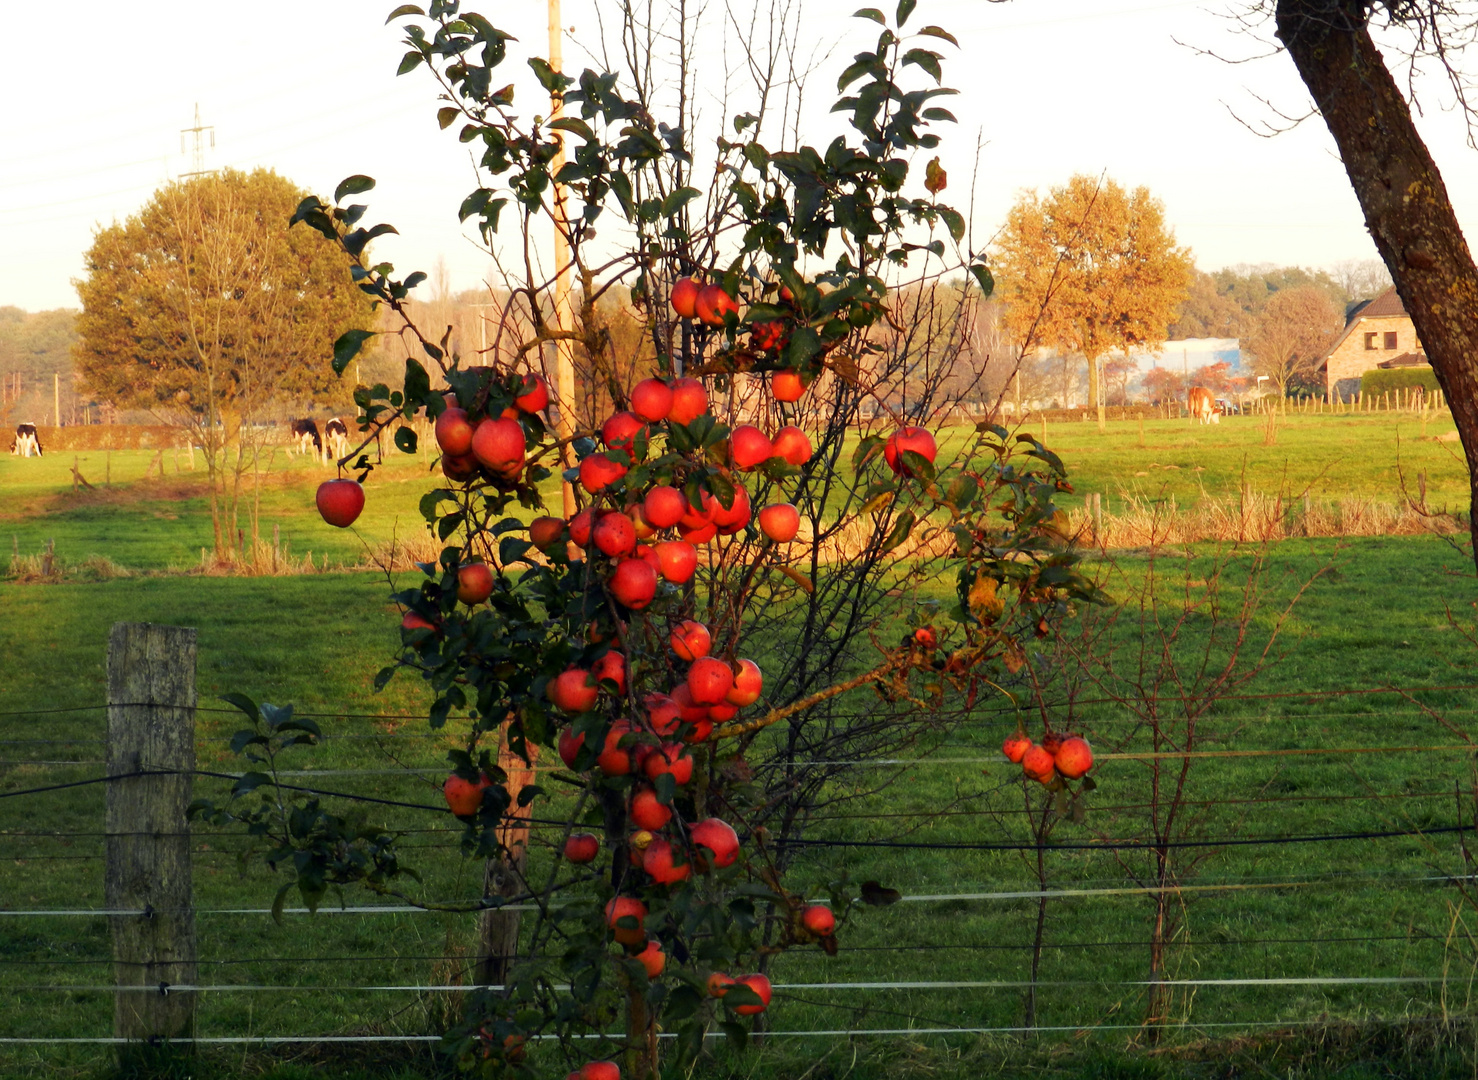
(1371, 908)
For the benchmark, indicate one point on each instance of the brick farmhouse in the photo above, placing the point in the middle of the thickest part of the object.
(1377, 334)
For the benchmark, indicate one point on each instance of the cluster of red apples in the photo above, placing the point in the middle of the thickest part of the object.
(1068, 756)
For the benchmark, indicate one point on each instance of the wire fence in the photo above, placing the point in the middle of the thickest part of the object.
(1431, 950)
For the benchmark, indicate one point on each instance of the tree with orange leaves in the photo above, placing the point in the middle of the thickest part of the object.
(1090, 269)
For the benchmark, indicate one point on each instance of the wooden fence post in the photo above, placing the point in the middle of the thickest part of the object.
(151, 730)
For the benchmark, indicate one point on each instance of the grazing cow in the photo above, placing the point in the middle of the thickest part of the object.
(336, 435)
(26, 441)
(1202, 406)
(305, 435)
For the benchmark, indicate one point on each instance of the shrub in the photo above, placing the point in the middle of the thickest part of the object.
(1380, 380)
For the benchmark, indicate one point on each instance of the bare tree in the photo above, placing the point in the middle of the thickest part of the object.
(1292, 333)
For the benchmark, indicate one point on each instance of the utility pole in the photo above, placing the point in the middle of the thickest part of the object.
(56, 399)
(197, 151)
(564, 360)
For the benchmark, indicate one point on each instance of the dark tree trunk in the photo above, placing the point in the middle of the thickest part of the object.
(1401, 193)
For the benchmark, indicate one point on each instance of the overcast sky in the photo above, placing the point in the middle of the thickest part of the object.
(95, 105)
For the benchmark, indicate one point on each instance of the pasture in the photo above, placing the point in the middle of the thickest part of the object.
(1324, 918)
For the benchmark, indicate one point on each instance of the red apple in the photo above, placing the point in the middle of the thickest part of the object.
(614, 534)
(690, 640)
(669, 758)
(340, 501)
(713, 304)
(597, 1070)
(546, 532)
(690, 711)
(1015, 748)
(652, 957)
(463, 796)
(792, 444)
(768, 335)
(718, 984)
(719, 838)
(569, 746)
(780, 522)
(612, 666)
(685, 297)
(581, 847)
(622, 907)
(679, 561)
(761, 986)
(651, 399)
(460, 469)
(818, 919)
(689, 401)
(582, 525)
(499, 444)
(573, 690)
(748, 684)
(663, 714)
(620, 431)
(1074, 757)
(719, 714)
(709, 679)
(664, 506)
(412, 621)
(633, 583)
(474, 583)
(454, 432)
(1037, 764)
(659, 861)
(749, 446)
(648, 555)
(787, 386)
(598, 472)
(613, 759)
(647, 812)
(535, 394)
(916, 439)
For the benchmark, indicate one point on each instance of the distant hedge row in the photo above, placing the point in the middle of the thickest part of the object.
(1380, 380)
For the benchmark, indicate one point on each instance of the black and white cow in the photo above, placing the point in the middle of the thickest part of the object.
(305, 435)
(336, 436)
(26, 442)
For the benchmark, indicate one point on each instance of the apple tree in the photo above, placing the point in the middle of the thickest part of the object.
(774, 561)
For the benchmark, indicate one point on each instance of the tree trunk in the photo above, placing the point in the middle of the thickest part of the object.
(503, 876)
(1095, 388)
(1404, 200)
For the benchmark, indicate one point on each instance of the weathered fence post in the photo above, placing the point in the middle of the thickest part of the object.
(151, 749)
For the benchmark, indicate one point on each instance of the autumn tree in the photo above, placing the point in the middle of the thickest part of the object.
(1163, 386)
(205, 310)
(1295, 330)
(1091, 269)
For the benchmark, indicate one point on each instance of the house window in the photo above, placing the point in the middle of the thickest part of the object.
(1370, 341)
(1390, 339)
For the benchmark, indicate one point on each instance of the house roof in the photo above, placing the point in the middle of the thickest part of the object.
(1387, 305)
(1406, 359)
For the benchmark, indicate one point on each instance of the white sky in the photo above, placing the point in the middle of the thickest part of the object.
(95, 103)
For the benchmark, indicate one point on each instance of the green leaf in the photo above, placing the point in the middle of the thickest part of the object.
(939, 32)
(870, 13)
(405, 440)
(447, 116)
(244, 703)
(925, 59)
(347, 347)
(409, 62)
(575, 126)
(985, 279)
(404, 9)
(678, 199)
(905, 9)
(954, 222)
(902, 526)
(737, 1033)
(279, 900)
(353, 185)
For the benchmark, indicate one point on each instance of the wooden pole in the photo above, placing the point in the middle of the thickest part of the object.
(564, 353)
(151, 730)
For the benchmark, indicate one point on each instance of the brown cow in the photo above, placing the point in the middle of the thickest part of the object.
(1202, 407)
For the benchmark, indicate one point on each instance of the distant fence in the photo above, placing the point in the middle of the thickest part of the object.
(111, 437)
